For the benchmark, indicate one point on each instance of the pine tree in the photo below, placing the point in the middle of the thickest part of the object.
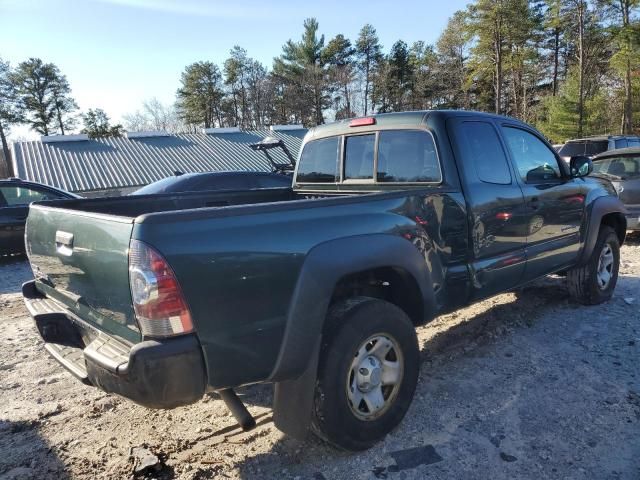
(453, 53)
(339, 56)
(369, 55)
(44, 96)
(301, 67)
(626, 39)
(10, 114)
(96, 125)
(200, 95)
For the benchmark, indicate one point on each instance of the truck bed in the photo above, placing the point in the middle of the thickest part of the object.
(134, 206)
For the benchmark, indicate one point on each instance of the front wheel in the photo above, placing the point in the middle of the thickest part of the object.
(367, 374)
(594, 282)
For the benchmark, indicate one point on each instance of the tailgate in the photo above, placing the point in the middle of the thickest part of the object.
(80, 260)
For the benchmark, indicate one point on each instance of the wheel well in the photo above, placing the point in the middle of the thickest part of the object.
(618, 222)
(394, 285)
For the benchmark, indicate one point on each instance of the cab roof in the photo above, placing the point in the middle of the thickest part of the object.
(412, 119)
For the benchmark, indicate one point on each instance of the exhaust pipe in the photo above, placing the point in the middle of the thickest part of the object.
(237, 409)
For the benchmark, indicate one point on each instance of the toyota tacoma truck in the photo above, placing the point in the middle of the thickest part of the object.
(391, 220)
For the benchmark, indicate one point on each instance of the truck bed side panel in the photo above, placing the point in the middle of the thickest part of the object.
(238, 273)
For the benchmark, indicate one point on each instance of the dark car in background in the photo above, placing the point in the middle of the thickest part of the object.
(202, 182)
(622, 167)
(592, 146)
(15, 197)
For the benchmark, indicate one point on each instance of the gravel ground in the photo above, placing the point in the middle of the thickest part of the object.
(523, 385)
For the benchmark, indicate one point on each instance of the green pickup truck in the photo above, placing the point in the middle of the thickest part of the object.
(391, 220)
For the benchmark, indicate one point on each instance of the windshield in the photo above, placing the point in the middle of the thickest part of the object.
(623, 167)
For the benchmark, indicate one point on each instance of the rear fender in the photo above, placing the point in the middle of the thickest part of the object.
(296, 367)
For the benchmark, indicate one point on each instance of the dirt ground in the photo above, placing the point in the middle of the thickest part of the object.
(523, 385)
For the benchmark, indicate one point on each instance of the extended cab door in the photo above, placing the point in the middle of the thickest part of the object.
(495, 205)
(554, 201)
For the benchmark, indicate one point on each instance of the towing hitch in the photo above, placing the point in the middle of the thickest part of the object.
(237, 409)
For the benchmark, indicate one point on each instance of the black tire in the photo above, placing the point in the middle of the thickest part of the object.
(349, 325)
(582, 281)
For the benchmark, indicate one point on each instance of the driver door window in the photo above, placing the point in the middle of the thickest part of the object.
(534, 161)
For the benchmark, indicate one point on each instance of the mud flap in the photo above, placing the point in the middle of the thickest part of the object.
(293, 399)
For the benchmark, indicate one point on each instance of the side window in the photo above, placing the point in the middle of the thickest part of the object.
(319, 161)
(621, 143)
(594, 148)
(358, 157)
(481, 146)
(15, 196)
(407, 156)
(535, 162)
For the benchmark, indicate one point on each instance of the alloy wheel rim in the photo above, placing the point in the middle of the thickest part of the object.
(375, 376)
(605, 267)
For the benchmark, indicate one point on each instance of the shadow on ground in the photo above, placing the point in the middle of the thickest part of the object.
(530, 303)
(14, 271)
(26, 455)
(633, 238)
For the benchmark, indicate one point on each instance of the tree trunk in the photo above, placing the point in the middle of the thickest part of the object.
(627, 126)
(556, 59)
(498, 79)
(627, 122)
(60, 122)
(581, 14)
(366, 88)
(8, 164)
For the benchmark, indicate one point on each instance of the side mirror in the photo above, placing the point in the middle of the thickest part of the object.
(580, 166)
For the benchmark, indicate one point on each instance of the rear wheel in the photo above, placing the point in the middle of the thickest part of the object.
(594, 282)
(367, 374)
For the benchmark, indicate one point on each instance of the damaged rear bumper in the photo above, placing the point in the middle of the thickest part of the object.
(163, 373)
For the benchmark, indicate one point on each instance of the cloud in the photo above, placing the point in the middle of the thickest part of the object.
(215, 9)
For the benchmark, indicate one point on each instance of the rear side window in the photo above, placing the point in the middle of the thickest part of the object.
(481, 146)
(621, 143)
(319, 161)
(358, 157)
(407, 156)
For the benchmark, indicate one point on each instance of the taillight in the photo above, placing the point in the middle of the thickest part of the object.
(157, 298)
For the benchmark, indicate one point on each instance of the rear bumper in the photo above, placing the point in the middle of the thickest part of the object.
(154, 373)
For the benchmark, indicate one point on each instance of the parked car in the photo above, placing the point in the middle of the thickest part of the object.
(592, 146)
(200, 182)
(15, 197)
(622, 167)
(391, 220)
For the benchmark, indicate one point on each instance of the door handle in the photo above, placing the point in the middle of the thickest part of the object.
(64, 243)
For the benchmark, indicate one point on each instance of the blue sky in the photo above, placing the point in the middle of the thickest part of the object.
(116, 53)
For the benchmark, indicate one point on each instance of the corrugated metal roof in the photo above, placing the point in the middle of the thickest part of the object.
(110, 163)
